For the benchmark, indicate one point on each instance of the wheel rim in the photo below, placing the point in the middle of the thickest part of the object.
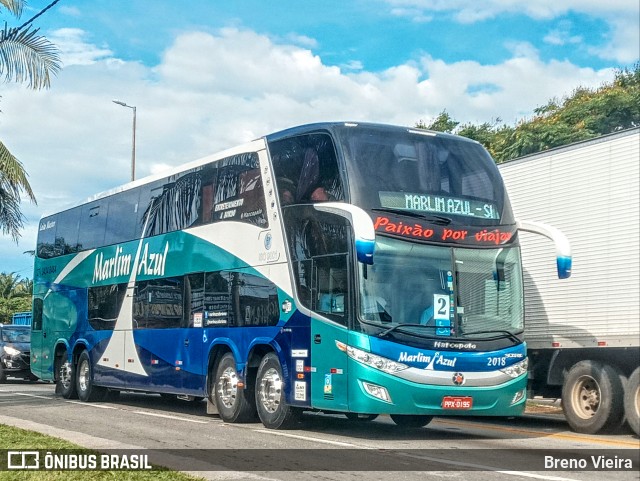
(228, 387)
(270, 390)
(637, 402)
(83, 376)
(65, 374)
(586, 397)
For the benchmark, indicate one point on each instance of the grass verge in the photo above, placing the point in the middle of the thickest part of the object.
(21, 439)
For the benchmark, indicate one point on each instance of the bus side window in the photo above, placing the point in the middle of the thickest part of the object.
(158, 304)
(67, 232)
(239, 195)
(47, 237)
(306, 169)
(121, 217)
(193, 300)
(217, 299)
(104, 304)
(93, 220)
(319, 249)
(209, 177)
(144, 212)
(258, 301)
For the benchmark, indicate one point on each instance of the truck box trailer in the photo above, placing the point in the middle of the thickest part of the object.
(583, 333)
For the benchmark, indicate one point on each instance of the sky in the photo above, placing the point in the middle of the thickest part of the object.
(207, 75)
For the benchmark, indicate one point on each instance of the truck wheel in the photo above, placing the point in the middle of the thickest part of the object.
(592, 397)
(273, 410)
(411, 420)
(233, 402)
(65, 377)
(632, 401)
(87, 391)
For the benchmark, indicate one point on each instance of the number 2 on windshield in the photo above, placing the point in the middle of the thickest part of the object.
(440, 306)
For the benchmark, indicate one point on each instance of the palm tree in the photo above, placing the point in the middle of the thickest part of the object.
(25, 57)
(8, 285)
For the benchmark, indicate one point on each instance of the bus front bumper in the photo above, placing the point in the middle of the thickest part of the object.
(377, 392)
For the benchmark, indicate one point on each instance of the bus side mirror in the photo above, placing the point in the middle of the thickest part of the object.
(362, 225)
(563, 247)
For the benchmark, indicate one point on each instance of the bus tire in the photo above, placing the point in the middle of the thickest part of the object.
(65, 377)
(632, 401)
(273, 410)
(231, 399)
(592, 397)
(411, 420)
(87, 391)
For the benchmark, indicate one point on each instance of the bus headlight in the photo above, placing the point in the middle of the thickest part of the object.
(517, 369)
(371, 360)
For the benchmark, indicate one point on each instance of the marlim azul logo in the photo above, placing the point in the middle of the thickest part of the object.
(150, 263)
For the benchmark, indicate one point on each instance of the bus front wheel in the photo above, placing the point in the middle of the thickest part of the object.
(232, 400)
(273, 410)
(87, 391)
(65, 377)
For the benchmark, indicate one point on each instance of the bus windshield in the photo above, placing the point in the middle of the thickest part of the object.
(421, 172)
(442, 292)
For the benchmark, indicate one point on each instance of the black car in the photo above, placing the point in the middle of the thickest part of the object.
(15, 346)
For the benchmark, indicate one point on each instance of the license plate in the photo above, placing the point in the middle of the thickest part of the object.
(457, 402)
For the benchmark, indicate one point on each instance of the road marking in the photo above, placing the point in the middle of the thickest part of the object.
(30, 395)
(531, 432)
(168, 416)
(482, 467)
(307, 438)
(93, 405)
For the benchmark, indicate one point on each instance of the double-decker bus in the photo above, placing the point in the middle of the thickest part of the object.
(341, 267)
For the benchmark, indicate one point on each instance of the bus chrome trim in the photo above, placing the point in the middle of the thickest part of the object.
(446, 378)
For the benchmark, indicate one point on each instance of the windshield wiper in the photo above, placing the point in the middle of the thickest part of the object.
(391, 329)
(507, 334)
(436, 219)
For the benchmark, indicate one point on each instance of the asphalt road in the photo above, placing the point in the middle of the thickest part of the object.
(180, 435)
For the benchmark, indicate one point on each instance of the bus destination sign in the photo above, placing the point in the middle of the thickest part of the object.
(438, 204)
(457, 235)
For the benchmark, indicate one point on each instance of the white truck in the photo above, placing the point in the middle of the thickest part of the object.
(583, 332)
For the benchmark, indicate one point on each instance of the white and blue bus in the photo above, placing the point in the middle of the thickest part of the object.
(343, 267)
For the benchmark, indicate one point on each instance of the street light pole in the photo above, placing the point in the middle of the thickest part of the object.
(133, 147)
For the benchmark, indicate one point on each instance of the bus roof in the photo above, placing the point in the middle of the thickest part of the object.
(292, 131)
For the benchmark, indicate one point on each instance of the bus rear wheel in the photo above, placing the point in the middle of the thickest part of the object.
(232, 400)
(65, 376)
(273, 410)
(411, 420)
(592, 397)
(87, 391)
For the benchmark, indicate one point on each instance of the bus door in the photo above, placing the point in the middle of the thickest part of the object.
(329, 373)
(320, 255)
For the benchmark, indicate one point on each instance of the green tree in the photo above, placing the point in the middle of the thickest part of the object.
(442, 123)
(584, 114)
(15, 295)
(25, 57)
